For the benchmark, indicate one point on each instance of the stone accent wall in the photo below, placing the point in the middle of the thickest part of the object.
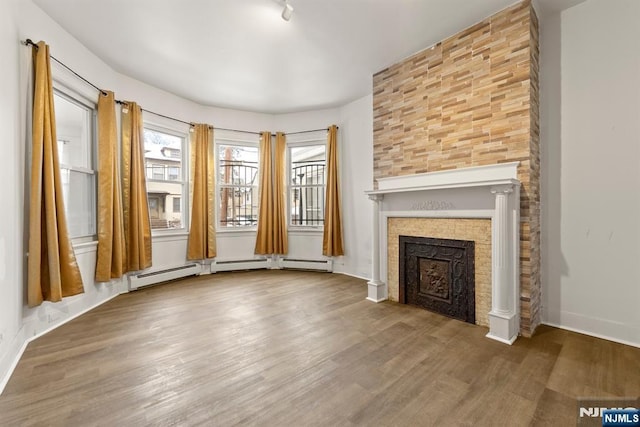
(531, 308)
(478, 230)
(470, 100)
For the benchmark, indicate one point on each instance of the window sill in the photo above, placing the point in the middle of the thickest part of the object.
(165, 236)
(85, 247)
(237, 230)
(305, 229)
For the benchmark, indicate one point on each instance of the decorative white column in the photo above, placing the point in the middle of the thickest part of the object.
(503, 322)
(377, 289)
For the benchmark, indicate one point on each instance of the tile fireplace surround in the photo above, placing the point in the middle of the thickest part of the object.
(486, 192)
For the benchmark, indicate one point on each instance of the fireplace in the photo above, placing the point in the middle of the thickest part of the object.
(438, 275)
(457, 204)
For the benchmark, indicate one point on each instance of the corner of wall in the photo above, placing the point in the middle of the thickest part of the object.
(9, 360)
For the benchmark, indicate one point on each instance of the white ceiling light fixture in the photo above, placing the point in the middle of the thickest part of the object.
(287, 11)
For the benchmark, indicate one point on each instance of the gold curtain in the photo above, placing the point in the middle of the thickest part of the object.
(279, 226)
(264, 238)
(332, 237)
(111, 247)
(137, 227)
(202, 234)
(53, 272)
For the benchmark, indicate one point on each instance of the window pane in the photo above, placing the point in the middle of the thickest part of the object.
(307, 165)
(238, 180)
(239, 206)
(307, 173)
(161, 196)
(307, 205)
(165, 183)
(80, 208)
(74, 126)
(74, 133)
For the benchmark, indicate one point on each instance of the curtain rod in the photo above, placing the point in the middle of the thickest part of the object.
(308, 131)
(157, 114)
(188, 123)
(29, 42)
(273, 134)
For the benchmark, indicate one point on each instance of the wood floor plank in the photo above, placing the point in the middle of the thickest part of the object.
(273, 348)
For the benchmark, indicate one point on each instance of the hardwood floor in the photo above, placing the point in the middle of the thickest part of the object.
(275, 348)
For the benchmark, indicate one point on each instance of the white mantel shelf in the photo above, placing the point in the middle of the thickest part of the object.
(491, 191)
(476, 176)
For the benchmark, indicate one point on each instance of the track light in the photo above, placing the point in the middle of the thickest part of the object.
(287, 12)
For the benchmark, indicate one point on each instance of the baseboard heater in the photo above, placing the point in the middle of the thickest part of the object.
(237, 265)
(153, 277)
(301, 264)
(272, 264)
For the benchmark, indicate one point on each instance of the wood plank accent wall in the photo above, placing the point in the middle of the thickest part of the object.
(470, 100)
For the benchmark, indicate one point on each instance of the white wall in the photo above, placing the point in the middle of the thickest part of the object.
(590, 135)
(11, 173)
(357, 177)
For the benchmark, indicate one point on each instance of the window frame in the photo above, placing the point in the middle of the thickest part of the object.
(223, 138)
(320, 139)
(183, 181)
(77, 98)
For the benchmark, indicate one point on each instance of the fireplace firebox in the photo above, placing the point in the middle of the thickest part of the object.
(438, 275)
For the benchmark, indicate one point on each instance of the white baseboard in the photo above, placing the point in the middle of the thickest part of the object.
(10, 360)
(509, 341)
(21, 340)
(352, 275)
(592, 334)
(595, 327)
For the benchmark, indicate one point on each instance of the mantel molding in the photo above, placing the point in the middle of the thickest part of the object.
(476, 176)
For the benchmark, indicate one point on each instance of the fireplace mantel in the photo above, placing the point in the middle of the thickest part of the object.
(492, 192)
(477, 176)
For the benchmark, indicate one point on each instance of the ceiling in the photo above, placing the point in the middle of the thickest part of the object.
(241, 54)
